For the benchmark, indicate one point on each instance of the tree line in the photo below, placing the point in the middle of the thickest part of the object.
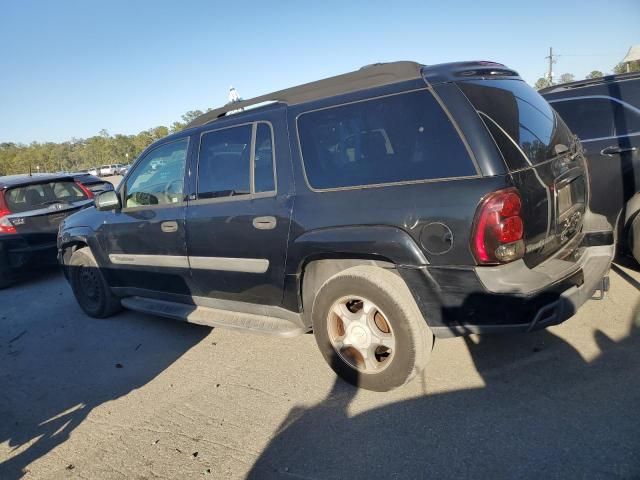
(83, 153)
(544, 82)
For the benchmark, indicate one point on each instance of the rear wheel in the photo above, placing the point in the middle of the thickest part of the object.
(89, 286)
(369, 328)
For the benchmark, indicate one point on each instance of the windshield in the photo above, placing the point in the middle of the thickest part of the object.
(515, 113)
(34, 197)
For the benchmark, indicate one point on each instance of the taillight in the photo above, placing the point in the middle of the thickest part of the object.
(5, 224)
(498, 228)
(87, 192)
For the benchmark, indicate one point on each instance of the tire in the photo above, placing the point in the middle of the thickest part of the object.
(383, 303)
(89, 285)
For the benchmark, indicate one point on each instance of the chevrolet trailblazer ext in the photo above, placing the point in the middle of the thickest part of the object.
(380, 209)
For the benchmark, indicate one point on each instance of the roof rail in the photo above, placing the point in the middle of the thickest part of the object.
(589, 81)
(370, 76)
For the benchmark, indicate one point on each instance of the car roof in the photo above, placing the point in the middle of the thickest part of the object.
(589, 82)
(26, 179)
(369, 76)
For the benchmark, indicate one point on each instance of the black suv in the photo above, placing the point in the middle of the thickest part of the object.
(605, 114)
(379, 209)
(31, 209)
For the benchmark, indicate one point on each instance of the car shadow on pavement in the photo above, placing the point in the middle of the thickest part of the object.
(54, 371)
(544, 411)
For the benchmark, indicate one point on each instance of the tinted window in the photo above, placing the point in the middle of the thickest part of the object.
(522, 115)
(224, 163)
(158, 179)
(263, 163)
(392, 139)
(33, 197)
(598, 117)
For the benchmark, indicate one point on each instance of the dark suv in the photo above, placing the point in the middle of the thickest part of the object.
(605, 114)
(379, 209)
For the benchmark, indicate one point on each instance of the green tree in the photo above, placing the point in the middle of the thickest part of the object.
(83, 153)
(595, 74)
(542, 82)
(622, 67)
(567, 77)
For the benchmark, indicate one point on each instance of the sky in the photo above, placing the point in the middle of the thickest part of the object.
(69, 69)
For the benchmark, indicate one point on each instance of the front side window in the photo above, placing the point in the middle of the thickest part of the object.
(224, 162)
(263, 162)
(398, 138)
(591, 118)
(158, 179)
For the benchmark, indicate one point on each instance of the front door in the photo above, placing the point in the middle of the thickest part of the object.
(145, 240)
(238, 221)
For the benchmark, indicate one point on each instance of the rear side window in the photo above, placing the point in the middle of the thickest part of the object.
(601, 117)
(399, 138)
(514, 112)
(34, 197)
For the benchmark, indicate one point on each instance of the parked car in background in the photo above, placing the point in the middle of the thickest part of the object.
(93, 183)
(379, 209)
(31, 209)
(110, 170)
(605, 114)
(123, 169)
(95, 171)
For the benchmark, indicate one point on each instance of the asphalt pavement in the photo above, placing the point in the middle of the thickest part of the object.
(135, 396)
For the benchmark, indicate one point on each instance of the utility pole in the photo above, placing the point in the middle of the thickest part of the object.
(551, 62)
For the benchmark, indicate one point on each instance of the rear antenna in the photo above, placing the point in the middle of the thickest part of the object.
(30, 169)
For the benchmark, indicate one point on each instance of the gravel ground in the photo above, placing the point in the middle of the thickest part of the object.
(141, 397)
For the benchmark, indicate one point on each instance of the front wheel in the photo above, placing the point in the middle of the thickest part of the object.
(369, 328)
(89, 285)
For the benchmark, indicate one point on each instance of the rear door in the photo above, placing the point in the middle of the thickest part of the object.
(38, 208)
(609, 130)
(145, 241)
(238, 220)
(543, 158)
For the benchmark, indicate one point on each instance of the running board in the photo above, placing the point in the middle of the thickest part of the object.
(213, 317)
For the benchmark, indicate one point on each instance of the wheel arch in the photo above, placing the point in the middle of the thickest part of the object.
(74, 239)
(317, 255)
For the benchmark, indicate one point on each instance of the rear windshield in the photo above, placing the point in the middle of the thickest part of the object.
(34, 197)
(397, 138)
(515, 113)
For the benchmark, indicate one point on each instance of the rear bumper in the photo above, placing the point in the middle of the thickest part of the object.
(513, 297)
(547, 307)
(16, 253)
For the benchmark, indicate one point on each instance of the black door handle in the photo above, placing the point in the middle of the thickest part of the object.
(613, 150)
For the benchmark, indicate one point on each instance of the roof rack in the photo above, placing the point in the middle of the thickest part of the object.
(590, 81)
(370, 76)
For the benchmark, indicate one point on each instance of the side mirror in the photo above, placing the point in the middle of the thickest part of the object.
(107, 201)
